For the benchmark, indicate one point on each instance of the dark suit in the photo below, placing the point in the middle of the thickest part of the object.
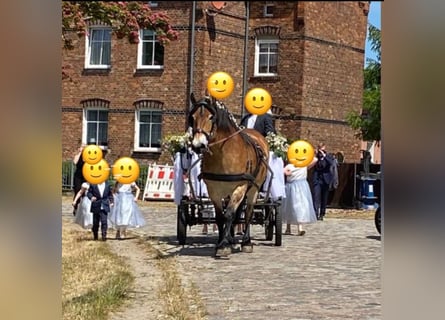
(100, 208)
(263, 123)
(322, 178)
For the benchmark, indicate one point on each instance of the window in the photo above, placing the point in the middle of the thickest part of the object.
(96, 126)
(148, 130)
(150, 51)
(266, 56)
(98, 48)
(268, 9)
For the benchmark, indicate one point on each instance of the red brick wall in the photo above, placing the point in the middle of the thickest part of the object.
(319, 81)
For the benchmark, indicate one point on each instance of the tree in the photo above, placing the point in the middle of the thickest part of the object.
(126, 18)
(368, 123)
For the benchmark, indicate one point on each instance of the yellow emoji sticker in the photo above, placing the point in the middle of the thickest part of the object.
(220, 85)
(258, 101)
(96, 173)
(125, 170)
(300, 153)
(92, 154)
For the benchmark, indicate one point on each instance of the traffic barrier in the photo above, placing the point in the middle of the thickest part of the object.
(159, 185)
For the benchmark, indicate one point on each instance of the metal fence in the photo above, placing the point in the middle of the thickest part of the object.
(68, 169)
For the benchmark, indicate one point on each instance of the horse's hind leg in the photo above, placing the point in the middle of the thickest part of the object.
(246, 244)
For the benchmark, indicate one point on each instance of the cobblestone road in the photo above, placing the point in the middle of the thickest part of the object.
(332, 272)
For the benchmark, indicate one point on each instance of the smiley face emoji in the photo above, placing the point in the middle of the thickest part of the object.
(96, 173)
(220, 85)
(300, 153)
(125, 170)
(258, 101)
(92, 154)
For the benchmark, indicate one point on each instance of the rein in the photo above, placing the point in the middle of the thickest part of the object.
(226, 138)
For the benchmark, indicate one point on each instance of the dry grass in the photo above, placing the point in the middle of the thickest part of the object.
(94, 280)
(350, 214)
(180, 302)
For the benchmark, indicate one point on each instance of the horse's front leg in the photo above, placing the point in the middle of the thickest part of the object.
(226, 239)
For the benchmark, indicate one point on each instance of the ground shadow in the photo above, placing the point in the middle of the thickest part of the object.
(375, 237)
(203, 245)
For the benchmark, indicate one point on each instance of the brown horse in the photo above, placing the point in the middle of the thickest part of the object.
(234, 166)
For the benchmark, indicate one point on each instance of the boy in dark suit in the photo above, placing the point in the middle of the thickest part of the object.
(101, 197)
(261, 123)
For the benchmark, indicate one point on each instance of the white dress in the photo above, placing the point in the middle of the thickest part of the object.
(297, 207)
(84, 216)
(277, 187)
(125, 211)
(182, 163)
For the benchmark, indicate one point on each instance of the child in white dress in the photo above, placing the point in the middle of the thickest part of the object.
(125, 212)
(84, 216)
(298, 206)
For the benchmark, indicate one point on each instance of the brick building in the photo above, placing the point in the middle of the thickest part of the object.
(308, 55)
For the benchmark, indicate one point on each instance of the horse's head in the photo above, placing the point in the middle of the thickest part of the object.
(202, 121)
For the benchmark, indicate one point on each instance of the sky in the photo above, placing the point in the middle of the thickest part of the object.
(374, 18)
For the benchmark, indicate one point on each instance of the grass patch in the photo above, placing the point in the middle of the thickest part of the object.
(94, 280)
(180, 301)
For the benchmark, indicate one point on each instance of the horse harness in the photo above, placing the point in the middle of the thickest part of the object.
(250, 177)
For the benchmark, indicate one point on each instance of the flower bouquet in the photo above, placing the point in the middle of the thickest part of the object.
(278, 144)
(176, 143)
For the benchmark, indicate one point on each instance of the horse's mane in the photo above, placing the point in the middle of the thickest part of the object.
(224, 118)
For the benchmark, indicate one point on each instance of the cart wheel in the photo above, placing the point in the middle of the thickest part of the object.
(181, 228)
(269, 220)
(278, 226)
(378, 220)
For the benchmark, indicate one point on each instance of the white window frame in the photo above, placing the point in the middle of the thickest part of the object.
(85, 126)
(137, 131)
(88, 65)
(140, 51)
(258, 42)
(266, 9)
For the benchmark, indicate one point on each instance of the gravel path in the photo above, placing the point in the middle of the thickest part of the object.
(332, 272)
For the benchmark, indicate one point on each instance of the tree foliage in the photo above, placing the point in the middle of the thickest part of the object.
(368, 122)
(126, 18)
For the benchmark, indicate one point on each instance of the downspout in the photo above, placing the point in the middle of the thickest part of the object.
(192, 59)
(246, 41)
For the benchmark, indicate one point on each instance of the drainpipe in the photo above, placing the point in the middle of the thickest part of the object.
(192, 58)
(246, 41)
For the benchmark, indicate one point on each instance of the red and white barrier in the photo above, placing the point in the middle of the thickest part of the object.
(159, 185)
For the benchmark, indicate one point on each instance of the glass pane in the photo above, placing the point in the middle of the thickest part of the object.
(102, 135)
(273, 60)
(106, 53)
(103, 115)
(264, 47)
(91, 131)
(92, 115)
(95, 53)
(96, 35)
(144, 138)
(156, 117)
(147, 53)
(107, 35)
(147, 34)
(263, 60)
(159, 55)
(156, 135)
(274, 47)
(144, 116)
